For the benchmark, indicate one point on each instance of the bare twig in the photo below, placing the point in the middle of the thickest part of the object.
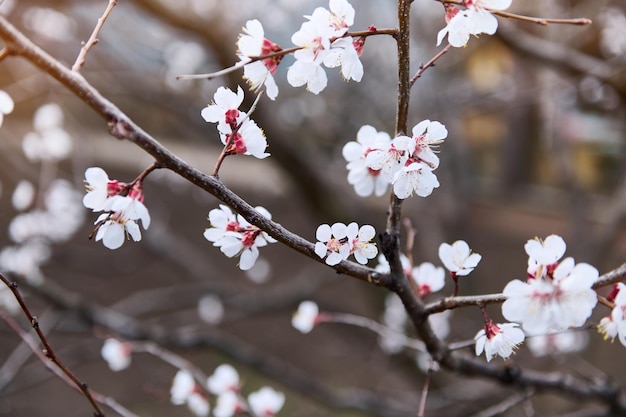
(375, 327)
(506, 404)
(543, 21)
(47, 349)
(34, 347)
(430, 63)
(173, 359)
(93, 39)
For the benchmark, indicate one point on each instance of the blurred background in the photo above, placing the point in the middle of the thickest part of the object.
(536, 120)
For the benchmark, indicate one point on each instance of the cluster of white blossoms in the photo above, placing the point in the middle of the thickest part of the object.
(236, 237)
(406, 162)
(225, 385)
(474, 20)
(121, 204)
(338, 242)
(240, 134)
(49, 211)
(48, 141)
(321, 41)
(558, 293)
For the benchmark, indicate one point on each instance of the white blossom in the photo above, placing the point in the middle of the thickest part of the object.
(458, 258)
(116, 354)
(266, 402)
(500, 339)
(305, 318)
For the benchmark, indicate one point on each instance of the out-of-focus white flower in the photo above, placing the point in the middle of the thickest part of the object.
(498, 339)
(26, 259)
(24, 195)
(198, 404)
(211, 309)
(557, 343)
(428, 278)
(6, 105)
(395, 318)
(228, 404)
(224, 378)
(48, 141)
(266, 402)
(305, 318)
(458, 258)
(116, 354)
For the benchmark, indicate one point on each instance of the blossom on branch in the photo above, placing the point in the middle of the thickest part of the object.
(225, 109)
(408, 162)
(236, 237)
(556, 296)
(305, 318)
(340, 241)
(249, 139)
(474, 20)
(120, 220)
(122, 205)
(224, 378)
(252, 43)
(228, 404)
(266, 402)
(428, 278)
(365, 179)
(99, 188)
(322, 41)
(185, 390)
(116, 354)
(614, 325)
(498, 339)
(458, 258)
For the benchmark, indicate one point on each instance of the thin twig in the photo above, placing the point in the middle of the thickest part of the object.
(429, 64)
(506, 404)
(34, 347)
(93, 39)
(421, 411)
(543, 21)
(282, 52)
(47, 349)
(375, 327)
(173, 359)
